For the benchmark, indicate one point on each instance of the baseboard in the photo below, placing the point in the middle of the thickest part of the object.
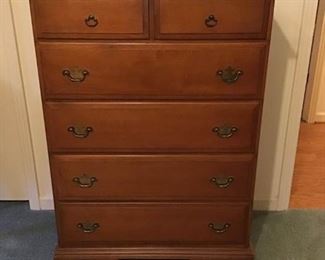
(189, 253)
(46, 203)
(268, 205)
(320, 118)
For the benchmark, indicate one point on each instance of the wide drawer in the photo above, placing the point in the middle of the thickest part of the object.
(152, 127)
(153, 71)
(116, 19)
(164, 223)
(152, 177)
(208, 19)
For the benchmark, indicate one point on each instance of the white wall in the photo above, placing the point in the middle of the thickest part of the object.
(314, 105)
(281, 84)
(27, 57)
(17, 173)
(320, 107)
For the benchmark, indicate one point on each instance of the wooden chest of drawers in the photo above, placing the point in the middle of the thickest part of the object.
(152, 111)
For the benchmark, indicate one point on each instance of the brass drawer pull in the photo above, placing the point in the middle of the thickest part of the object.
(91, 21)
(230, 75)
(225, 131)
(219, 228)
(85, 181)
(80, 131)
(75, 75)
(211, 21)
(88, 227)
(222, 182)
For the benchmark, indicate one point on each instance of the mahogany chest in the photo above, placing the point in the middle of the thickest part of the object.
(153, 112)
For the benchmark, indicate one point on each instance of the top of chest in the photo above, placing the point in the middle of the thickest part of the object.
(152, 19)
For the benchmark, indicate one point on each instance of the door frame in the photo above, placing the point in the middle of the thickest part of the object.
(294, 113)
(28, 66)
(310, 113)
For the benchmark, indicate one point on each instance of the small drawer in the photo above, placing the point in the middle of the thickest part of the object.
(109, 224)
(211, 19)
(153, 71)
(153, 177)
(152, 127)
(116, 19)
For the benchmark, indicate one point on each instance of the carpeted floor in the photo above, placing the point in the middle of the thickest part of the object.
(292, 235)
(26, 234)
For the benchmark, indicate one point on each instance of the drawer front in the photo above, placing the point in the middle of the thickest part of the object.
(155, 127)
(207, 19)
(139, 223)
(91, 19)
(173, 71)
(152, 177)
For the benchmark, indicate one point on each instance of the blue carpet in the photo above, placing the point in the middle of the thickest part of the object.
(290, 235)
(26, 234)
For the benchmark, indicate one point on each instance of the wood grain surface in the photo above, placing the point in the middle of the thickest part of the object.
(152, 127)
(154, 177)
(125, 19)
(153, 70)
(186, 19)
(148, 106)
(152, 224)
(308, 188)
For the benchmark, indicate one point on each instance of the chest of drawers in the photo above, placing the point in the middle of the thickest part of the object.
(152, 111)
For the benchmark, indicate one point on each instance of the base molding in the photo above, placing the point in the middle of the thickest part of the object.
(46, 203)
(320, 117)
(151, 253)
